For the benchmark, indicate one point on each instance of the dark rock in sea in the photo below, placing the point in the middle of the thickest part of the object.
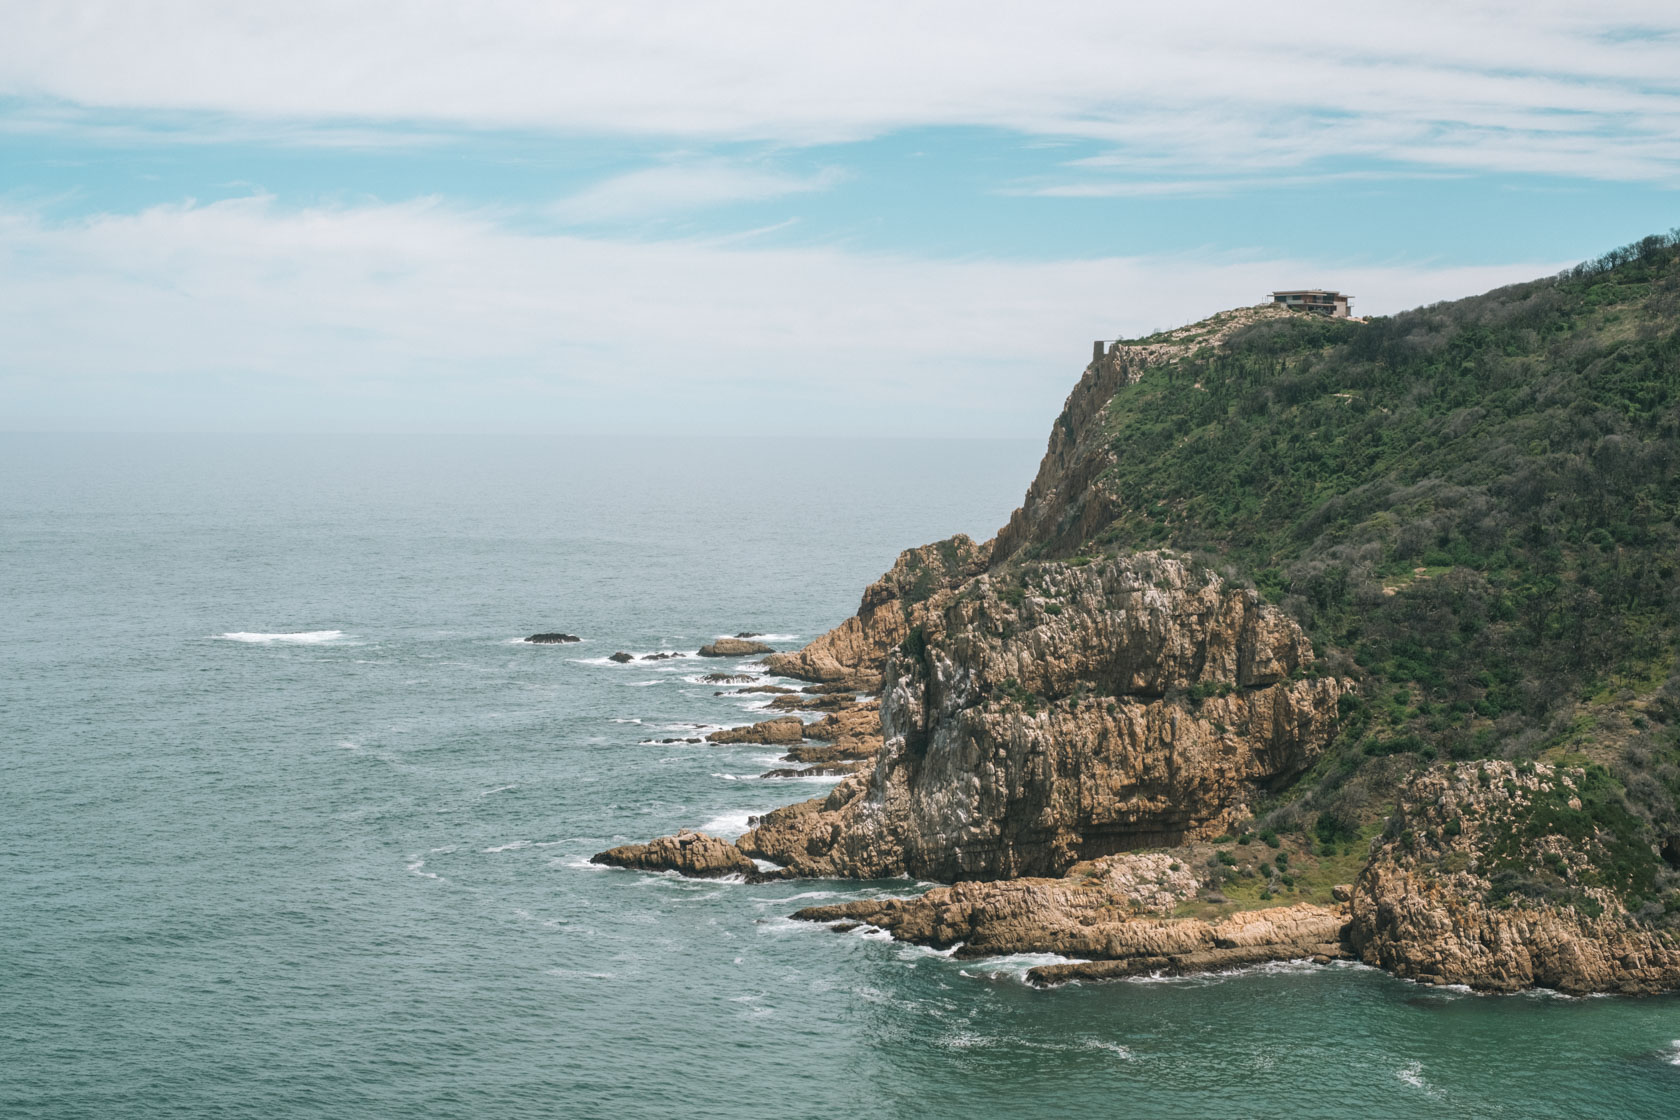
(555, 638)
(733, 647)
(845, 927)
(694, 854)
(772, 689)
(788, 729)
(621, 657)
(666, 742)
(827, 770)
(727, 678)
(659, 656)
(749, 634)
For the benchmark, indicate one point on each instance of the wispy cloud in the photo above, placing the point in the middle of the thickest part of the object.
(247, 314)
(685, 186)
(1550, 86)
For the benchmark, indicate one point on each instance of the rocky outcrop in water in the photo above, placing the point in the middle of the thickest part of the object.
(621, 657)
(554, 638)
(1081, 711)
(695, 854)
(787, 729)
(733, 647)
(1505, 877)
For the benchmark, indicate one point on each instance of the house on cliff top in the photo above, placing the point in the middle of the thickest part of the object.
(1333, 304)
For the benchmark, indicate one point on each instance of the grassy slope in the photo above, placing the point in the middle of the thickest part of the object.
(1471, 507)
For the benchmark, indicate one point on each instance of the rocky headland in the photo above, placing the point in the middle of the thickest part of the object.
(1301, 706)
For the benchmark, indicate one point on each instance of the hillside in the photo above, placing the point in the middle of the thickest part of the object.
(1471, 508)
(1294, 601)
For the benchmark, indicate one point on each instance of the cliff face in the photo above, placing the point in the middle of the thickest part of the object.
(1077, 712)
(853, 652)
(1502, 878)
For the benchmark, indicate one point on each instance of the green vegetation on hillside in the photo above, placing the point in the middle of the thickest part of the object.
(1471, 507)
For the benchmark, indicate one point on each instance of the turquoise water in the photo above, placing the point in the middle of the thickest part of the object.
(344, 874)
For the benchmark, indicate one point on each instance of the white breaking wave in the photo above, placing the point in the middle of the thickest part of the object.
(513, 847)
(302, 637)
(1674, 1053)
(729, 825)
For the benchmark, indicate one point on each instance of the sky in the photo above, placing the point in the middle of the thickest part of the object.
(737, 218)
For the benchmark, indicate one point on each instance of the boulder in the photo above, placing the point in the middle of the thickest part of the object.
(694, 854)
(621, 657)
(734, 647)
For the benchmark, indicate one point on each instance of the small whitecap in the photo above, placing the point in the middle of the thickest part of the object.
(299, 637)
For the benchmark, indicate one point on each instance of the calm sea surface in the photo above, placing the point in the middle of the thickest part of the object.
(291, 825)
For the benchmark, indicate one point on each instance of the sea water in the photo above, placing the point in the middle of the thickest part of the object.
(293, 825)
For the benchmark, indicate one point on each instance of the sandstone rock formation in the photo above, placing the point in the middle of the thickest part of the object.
(1504, 877)
(1083, 711)
(787, 729)
(695, 854)
(852, 653)
(733, 647)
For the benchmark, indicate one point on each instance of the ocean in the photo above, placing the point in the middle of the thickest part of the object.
(292, 824)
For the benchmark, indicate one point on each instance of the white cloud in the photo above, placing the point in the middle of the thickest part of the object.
(685, 186)
(418, 316)
(1554, 86)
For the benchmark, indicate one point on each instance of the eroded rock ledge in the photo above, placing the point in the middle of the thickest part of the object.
(1113, 912)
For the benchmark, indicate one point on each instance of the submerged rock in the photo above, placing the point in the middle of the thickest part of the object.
(694, 854)
(728, 678)
(734, 647)
(554, 638)
(664, 656)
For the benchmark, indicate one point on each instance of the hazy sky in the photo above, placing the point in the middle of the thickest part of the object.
(884, 218)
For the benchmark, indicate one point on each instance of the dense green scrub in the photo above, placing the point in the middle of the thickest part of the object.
(1471, 507)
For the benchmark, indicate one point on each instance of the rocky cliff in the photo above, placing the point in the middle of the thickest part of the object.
(1086, 686)
(1064, 712)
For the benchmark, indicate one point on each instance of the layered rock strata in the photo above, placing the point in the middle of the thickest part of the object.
(1113, 912)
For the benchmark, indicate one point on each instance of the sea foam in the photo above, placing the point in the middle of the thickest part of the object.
(302, 637)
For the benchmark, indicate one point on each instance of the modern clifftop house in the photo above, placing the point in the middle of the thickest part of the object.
(1333, 304)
